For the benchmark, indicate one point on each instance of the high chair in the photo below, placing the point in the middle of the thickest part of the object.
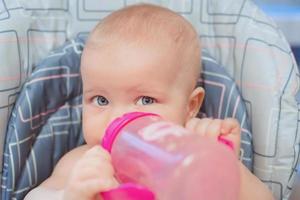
(249, 73)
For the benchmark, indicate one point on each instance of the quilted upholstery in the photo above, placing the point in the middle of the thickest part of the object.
(236, 34)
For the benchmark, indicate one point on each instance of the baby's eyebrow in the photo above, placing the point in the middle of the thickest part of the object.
(93, 91)
(88, 91)
(144, 91)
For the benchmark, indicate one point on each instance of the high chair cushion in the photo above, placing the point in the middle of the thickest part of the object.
(236, 33)
(46, 120)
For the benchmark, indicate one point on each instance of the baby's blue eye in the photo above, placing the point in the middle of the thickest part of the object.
(145, 100)
(101, 100)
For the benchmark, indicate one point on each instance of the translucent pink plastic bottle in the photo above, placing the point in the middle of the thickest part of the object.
(170, 161)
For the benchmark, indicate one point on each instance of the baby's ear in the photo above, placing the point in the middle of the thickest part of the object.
(195, 102)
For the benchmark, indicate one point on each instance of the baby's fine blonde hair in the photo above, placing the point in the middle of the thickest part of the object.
(143, 23)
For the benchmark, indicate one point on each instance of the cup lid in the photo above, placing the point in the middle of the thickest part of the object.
(116, 125)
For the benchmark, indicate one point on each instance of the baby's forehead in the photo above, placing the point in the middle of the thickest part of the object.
(150, 26)
(144, 22)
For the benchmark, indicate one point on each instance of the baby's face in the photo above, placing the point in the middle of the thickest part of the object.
(121, 78)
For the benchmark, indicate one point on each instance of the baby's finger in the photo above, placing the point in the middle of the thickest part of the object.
(191, 124)
(198, 126)
(98, 151)
(230, 126)
(95, 186)
(105, 170)
(214, 128)
(231, 131)
(85, 163)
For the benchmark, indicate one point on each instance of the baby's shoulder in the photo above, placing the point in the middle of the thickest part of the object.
(63, 168)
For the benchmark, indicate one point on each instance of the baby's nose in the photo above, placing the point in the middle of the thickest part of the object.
(119, 112)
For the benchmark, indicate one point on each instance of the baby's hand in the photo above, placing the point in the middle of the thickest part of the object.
(228, 128)
(92, 174)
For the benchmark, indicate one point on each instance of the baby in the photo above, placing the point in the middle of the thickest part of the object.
(140, 58)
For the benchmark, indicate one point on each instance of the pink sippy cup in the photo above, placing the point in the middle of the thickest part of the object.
(156, 159)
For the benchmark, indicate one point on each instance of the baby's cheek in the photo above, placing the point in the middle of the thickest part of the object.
(93, 130)
(94, 124)
(178, 118)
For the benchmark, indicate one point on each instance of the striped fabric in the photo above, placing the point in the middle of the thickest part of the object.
(236, 33)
